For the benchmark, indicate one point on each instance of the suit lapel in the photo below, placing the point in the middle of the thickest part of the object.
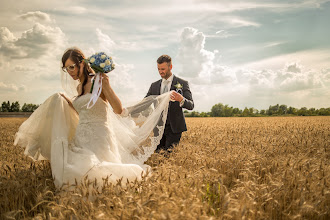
(174, 82)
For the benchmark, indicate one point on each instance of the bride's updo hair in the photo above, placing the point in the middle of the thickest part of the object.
(77, 57)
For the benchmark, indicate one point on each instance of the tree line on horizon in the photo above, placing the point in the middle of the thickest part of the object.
(221, 110)
(217, 110)
(15, 107)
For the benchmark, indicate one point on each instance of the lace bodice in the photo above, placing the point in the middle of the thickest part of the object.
(93, 131)
(98, 113)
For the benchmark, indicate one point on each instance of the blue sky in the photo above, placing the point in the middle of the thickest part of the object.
(241, 53)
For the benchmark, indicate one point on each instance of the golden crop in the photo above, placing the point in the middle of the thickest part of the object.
(224, 168)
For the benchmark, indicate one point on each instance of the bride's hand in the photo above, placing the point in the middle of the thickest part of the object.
(69, 101)
(105, 80)
(63, 96)
(66, 98)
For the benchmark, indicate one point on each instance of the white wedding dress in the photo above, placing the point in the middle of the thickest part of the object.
(97, 143)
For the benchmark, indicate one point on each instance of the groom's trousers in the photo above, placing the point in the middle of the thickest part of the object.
(169, 139)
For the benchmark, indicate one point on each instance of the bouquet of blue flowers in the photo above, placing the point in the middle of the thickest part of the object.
(100, 62)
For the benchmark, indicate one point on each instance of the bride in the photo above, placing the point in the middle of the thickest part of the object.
(105, 140)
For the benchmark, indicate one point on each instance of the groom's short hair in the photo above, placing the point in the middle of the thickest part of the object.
(164, 59)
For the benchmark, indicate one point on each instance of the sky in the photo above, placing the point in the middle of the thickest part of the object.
(240, 53)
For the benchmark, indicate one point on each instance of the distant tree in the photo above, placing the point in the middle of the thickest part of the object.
(279, 112)
(283, 109)
(251, 111)
(221, 110)
(292, 110)
(217, 110)
(30, 107)
(303, 111)
(273, 109)
(5, 107)
(312, 111)
(228, 111)
(324, 111)
(245, 112)
(194, 114)
(14, 107)
(237, 111)
(204, 114)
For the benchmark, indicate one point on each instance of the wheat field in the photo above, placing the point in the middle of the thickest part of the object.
(224, 168)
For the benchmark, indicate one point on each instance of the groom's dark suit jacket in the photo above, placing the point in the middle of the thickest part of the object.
(175, 115)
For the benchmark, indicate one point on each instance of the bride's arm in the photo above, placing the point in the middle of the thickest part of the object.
(110, 95)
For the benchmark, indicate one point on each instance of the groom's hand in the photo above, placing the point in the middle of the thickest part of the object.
(176, 96)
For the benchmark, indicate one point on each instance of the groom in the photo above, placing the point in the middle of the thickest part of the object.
(175, 123)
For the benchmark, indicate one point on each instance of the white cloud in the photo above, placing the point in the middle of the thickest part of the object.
(33, 43)
(142, 9)
(122, 83)
(105, 42)
(273, 44)
(191, 53)
(293, 67)
(11, 87)
(220, 34)
(107, 45)
(72, 9)
(28, 60)
(6, 36)
(199, 63)
(49, 76)
(296, 78)
(230, 21)
(316, 59)
(240, 22)
(148, 28)
(261, 88)
(243, 86)
(20, 68)
(293, 77)
(35, 16)
(76, 9)
(223, 34)
(121, 76)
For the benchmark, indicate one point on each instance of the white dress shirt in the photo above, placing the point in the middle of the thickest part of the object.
(169, 83)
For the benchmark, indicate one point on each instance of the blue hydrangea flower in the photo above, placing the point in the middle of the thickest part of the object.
(100, 62)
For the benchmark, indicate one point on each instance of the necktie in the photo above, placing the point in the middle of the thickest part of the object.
(165, 89)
